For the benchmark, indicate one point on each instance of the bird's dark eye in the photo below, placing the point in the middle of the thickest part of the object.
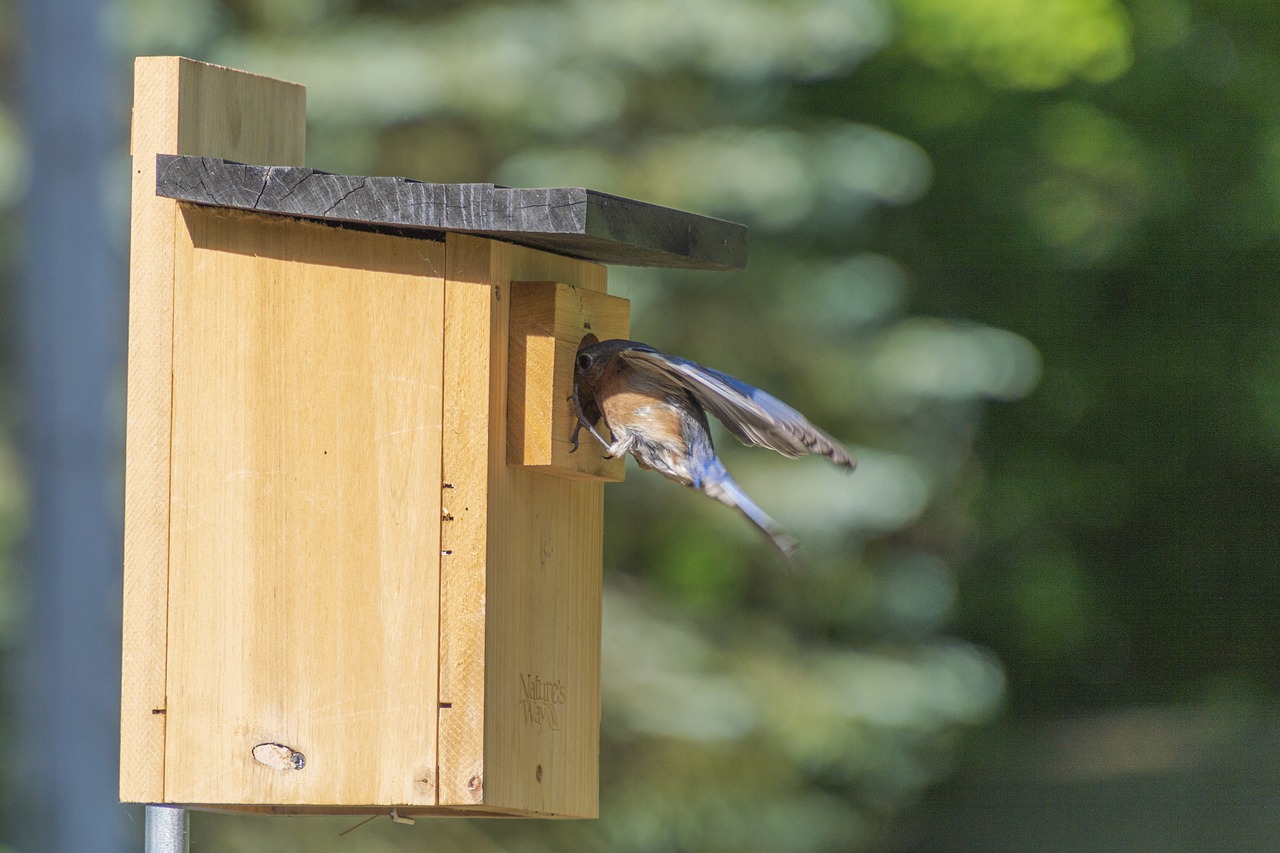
(584, 361)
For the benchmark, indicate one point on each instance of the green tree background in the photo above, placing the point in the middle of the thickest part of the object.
(1020, 254)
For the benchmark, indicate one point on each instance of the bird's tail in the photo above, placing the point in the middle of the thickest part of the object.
(724, 489)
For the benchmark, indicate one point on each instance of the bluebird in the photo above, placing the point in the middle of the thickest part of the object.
(656, 405)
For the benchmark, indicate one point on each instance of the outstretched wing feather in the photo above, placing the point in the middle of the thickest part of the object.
(753, 416)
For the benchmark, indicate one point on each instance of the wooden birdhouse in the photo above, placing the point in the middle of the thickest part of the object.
(362, 568)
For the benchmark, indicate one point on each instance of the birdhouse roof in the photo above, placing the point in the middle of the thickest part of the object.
(573, 221)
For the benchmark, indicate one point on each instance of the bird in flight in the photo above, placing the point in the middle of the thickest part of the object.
(655, 407)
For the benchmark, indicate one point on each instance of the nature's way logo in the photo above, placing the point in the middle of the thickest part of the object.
(542, 702)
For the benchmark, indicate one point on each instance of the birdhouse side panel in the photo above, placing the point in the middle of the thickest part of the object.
(305, 515)
(546, 546)
(524, 736)
(543, 681)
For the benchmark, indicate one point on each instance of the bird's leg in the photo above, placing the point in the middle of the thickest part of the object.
(578, 428)
(579, 415)
(617, 448)
(584, 422)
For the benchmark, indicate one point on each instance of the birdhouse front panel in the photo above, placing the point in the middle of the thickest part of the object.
(305, 513)
(369, 606)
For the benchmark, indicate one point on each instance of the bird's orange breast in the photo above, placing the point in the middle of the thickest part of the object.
(641, 412)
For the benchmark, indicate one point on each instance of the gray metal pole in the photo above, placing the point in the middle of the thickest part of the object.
(168, 829)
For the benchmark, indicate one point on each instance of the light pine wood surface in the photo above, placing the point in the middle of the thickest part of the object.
(180, 107)
(549, 321)
(532, 567)
(340, 595)
(305, 525)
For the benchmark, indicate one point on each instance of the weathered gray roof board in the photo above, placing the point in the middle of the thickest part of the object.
(570, 221)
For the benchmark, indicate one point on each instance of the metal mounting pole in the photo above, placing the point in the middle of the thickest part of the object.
(168, 829)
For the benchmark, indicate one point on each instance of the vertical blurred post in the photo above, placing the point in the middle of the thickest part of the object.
(71, 299)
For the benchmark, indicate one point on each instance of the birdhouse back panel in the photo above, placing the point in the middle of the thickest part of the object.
(180, 107)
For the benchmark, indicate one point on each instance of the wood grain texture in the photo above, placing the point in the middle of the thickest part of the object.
(326, 550)
(572, 221)
(526, 553)
(542, 677)
(471, 308)
(305, 513)
(549, 321)
(180, 107)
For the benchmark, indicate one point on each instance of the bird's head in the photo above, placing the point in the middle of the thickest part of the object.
(594, 359)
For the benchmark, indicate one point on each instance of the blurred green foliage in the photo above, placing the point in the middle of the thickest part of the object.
(1019, 44)
(1020, 254)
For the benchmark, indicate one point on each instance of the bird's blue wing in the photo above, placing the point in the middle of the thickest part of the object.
(751, 415)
